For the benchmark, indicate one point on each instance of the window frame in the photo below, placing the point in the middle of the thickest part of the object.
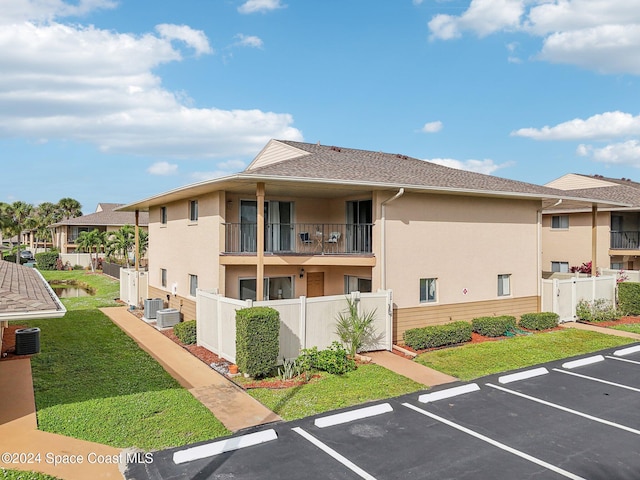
(163, 277)
(193, 284)
(560, 225)
(560, 264)
(501, 284)
(193, 211)
(163, 215)
(350, 279)
(428, 297)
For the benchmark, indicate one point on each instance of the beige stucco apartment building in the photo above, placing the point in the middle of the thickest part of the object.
(610, 236)
(104, 219)
(313, 220)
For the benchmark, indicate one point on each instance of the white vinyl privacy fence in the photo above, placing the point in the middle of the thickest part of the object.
(562, 296)
(133, 286)
(304, 322)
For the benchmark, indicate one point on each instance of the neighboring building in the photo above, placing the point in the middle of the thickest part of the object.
(25, 295)
(568, 236)
(105, 219)
(313, 220)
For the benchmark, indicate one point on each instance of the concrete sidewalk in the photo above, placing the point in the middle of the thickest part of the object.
(410, 369)
(234, 407)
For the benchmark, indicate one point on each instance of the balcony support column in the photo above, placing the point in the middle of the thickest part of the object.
(260, 242)
(594, 239)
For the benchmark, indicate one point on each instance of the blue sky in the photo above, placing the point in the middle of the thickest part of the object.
(118, 100)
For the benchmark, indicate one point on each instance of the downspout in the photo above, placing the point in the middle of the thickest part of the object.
(383, 235)
(540, 254)
(136, 255)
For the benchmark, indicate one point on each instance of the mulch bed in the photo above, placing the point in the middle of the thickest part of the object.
(613, 323)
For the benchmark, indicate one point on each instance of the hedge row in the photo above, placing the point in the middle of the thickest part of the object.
(186, 332)
(459, 332)
(438, 335)
(493, 326)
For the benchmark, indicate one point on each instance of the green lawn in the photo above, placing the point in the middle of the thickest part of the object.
(628, 327)
(476, 360)
(93, 382)
(106, 289)
(20, 475)
(367, 383)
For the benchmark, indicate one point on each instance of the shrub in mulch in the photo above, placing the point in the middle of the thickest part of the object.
(493, 326)
(539, 320)
(438, 335)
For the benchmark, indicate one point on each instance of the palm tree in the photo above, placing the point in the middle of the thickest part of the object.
(121, 242)
(88, 241)
(46, 214)
(69, 208)
(14, 220)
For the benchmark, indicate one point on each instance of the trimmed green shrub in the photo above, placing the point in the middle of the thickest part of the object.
(539, 320)
(629, 298)
(47, 260)
(257, 340)
(333, 360)
(493, 326)
(438, 335)
(186, 332)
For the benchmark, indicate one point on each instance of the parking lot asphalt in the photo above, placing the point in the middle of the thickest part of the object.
(577, 418)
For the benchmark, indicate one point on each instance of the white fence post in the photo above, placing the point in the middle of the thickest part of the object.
(303, 322)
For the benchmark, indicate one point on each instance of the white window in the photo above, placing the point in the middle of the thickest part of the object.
(356, 284)
(163, 277)
(163, 215)
(193, 285)
(617, 266)
(504, 285)
(193, 210)
(560, 222)
(562, 267)
(427, 290)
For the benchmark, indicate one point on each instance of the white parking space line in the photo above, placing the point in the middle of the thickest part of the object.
(627, 351)
(358, 414)
(565, 409)
(216, 448)
(448, 393)
(515, 377)
(583, 361)
(330, 451)
(600, 380)
(623, 360)
(495, 443)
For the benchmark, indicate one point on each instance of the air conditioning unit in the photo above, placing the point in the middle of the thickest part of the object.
(151, 307)
(167, 317)
(27, 341)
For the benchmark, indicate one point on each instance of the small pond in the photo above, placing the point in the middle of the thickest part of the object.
(70, 291)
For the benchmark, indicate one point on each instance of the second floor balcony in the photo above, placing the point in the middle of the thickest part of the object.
(300, 238)
(625, 240)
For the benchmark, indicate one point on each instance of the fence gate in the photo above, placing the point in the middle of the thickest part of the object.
(563, 296)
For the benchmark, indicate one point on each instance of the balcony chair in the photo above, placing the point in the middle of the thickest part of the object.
(332, 240)
(305, 240)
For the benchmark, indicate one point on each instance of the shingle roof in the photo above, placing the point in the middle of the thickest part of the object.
(625, 191)
(23, 290)
(337, 163)
(107, 217)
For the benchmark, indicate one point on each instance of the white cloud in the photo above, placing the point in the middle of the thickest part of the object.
(601, 35)
(601, 126)
(626, 153)
(163, 168)
(486, 166)
(483, 17)
(249, 41)
(432, 127)
(196, 39)
(253, 6)
(85, 84)
(47, 10)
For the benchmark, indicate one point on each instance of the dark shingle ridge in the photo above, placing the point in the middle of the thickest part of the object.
(348, 164)
(107, 217)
